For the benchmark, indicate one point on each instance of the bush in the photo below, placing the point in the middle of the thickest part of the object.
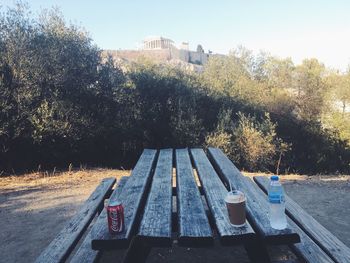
(60, 104)
(220, 139)
(253, 142)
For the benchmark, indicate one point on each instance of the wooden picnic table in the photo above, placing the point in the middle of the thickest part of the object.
(199, 183)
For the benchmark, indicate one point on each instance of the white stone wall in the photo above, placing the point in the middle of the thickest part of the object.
(160, 55)
(197, 58)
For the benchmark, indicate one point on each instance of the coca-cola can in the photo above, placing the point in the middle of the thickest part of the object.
(115, 215)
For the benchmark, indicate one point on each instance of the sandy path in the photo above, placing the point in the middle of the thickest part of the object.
(34, 209)
(326, 199)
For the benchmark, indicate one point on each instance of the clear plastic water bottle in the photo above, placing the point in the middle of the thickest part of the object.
(278, 218)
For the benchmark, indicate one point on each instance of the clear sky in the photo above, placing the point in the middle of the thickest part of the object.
(285, 28)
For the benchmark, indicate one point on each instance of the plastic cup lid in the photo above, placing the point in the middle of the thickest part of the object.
(234, 197)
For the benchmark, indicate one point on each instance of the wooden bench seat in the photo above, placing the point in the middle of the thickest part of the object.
(60, 248)
(316, 239)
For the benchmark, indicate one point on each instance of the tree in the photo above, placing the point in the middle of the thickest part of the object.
(279, 72)
(343, 91)
(310, 86)
(335, 114)
(229, 76)
(60, 103)
(16, 31)
(48, 69)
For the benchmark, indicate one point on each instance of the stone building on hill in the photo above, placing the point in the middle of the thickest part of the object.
(161, 49)
(154, 43)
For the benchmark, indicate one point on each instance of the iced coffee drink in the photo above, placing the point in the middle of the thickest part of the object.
(235, 202)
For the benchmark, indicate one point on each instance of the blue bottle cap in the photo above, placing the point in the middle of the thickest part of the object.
(274, 178)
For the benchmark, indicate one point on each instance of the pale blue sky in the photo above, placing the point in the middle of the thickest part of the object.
(296, 29)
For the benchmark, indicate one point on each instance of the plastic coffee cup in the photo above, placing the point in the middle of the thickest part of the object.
(235, 202)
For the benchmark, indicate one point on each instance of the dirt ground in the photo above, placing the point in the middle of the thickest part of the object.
(34, 208)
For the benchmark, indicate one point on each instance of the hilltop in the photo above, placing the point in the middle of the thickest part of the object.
(163, 50)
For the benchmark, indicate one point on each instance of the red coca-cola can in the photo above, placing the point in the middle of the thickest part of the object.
(115, 215)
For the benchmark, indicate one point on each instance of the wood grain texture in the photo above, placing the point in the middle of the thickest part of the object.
(307, 248)
(215, 193)
(257, 203)
(332, 246)
(194, 228)
(132, 196)
(85, 254)
(155, 227)
(58, 250)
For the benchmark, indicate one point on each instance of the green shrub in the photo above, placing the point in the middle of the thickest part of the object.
(60, 104)
(220, 139)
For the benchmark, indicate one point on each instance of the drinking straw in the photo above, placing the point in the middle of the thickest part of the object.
(230, 186)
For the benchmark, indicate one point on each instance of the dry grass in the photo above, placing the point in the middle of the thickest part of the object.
(61, 178)
(298, 177)
(97, 174)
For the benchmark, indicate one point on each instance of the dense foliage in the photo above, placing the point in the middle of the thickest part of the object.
(60, 104)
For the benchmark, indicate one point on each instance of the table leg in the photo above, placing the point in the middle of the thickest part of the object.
(257, 251)
(137, 252)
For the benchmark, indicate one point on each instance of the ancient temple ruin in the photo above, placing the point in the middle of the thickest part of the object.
(151, 43)
(161, 49)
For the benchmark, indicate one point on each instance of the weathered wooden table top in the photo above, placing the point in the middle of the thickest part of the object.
(151, 217)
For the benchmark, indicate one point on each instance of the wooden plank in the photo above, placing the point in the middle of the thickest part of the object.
(333, 247)
(215, 193)
(133, 196)
(307, 248)
(199, 188)
(58, 250)
(257, 203)
(155, 228)
(85, 254)
(194, 228)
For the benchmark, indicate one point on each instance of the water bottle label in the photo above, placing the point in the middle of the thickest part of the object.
(276, 198)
